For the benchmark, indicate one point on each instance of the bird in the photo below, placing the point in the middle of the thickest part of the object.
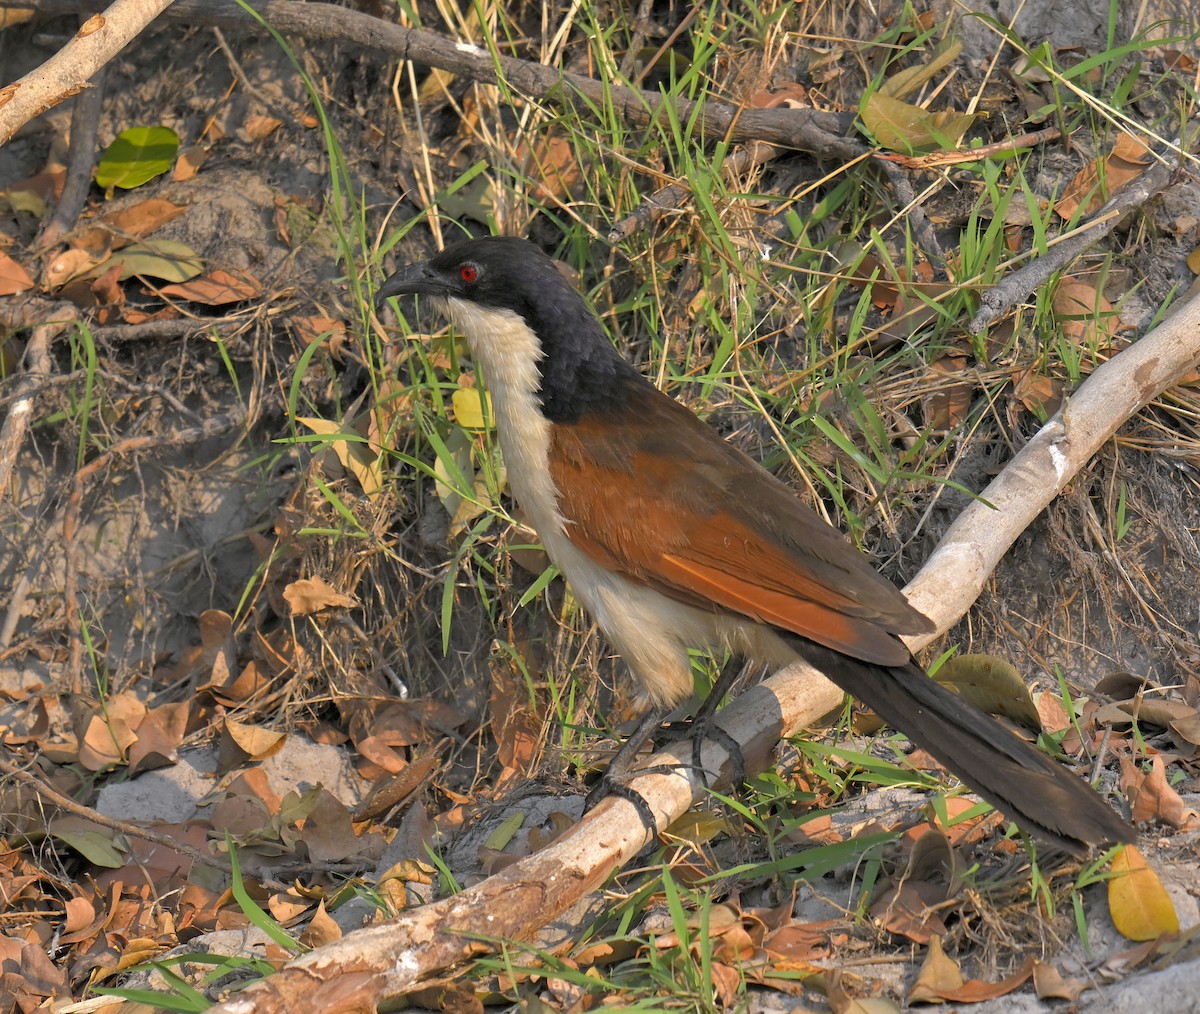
(672, 538)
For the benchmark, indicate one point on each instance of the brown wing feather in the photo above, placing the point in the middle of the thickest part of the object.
(659, 497)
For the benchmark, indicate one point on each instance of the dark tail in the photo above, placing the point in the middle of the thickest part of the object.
(1042, 796)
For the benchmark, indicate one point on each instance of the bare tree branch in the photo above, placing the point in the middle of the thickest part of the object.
(66, 73)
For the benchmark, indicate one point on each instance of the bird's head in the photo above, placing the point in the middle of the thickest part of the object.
(518, 310)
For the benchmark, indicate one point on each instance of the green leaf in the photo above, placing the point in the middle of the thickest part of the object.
(161, 258)
(137, 156)
(95, 847)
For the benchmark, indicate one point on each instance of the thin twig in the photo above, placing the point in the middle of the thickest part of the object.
(48, 792)
(85, 126)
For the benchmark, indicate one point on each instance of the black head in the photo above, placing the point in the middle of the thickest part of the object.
(578, 364)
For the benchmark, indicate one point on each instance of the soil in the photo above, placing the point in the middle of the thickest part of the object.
(172, 537)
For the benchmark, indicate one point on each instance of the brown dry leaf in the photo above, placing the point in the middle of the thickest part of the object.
(1127, 160)
(949, 401)
(1040, 395)
(911, 909)
(66, 266)
(158, 736)
(288, 906)
(938, 976)
(1051, 713)
(109, 294)
(110, 734)
(310, 595)
(329, 834)
(936, 981)
(139, 220)
(552, 165)
(80, 914)
(27, 975)
(321, 930)
(13, 277)
(313, 329)
(253, 741)
(1152, 797)
(257, 127)
(188, 162)
(1084, 315)
(799, 942)
(1138, 903)
(1051, 985)
(217, 288)
(380, 755)
(394, 790)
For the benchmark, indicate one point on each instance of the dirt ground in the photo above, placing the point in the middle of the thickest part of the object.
(175, 534)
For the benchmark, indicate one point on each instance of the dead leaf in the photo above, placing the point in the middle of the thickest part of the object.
(217, 288)
(321, 929)
(1138, 903)
(1050, 984)
(188, 162)
(1083, 314)
(13, 277)
(256, 127)
(993, 684)
(310, 595)
(253, 741)
(939, 983)
(1098, 181)
(906, 128)
(1152, 797)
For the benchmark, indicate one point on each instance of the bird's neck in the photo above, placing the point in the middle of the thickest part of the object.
(508, 353)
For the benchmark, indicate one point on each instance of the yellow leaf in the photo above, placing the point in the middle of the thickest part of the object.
(469, 408)
(1137, 901)
(354, 453)
(907, 81)
(903, 127)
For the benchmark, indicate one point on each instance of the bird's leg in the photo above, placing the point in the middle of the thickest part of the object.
(702, 726)
(610, 783)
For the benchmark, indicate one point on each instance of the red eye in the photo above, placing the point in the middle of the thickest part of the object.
(468, 273)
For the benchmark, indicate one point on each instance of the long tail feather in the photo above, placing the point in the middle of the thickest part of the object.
(1042, 796)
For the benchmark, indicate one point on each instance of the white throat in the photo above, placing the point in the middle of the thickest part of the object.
(509, 352)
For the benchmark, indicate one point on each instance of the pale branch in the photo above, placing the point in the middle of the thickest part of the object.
(954, 574)
(66, 73)
(808, 130)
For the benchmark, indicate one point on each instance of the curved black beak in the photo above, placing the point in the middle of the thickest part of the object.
(412, 278)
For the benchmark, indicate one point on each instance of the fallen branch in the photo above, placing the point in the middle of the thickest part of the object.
(399, 956)
(808, 130)
(954, 574)
(66, 73)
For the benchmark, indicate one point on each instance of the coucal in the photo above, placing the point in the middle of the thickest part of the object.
(672, 538)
